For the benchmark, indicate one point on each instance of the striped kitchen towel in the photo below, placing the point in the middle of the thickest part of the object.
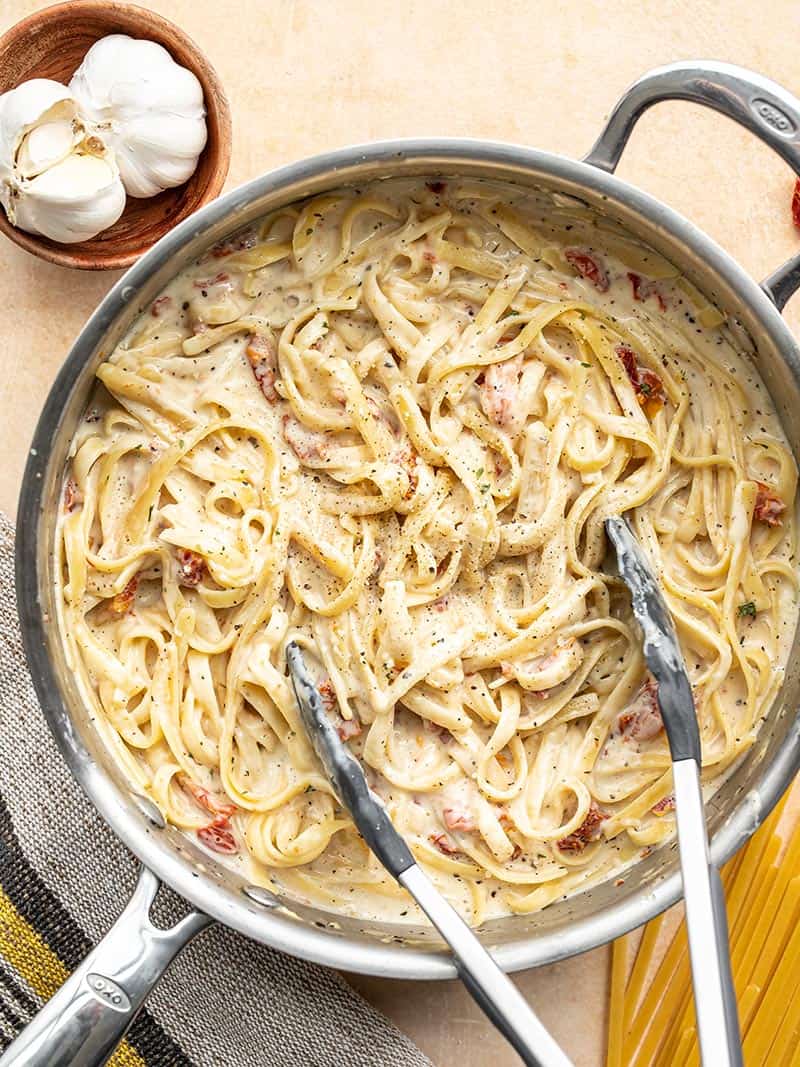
(64, 878)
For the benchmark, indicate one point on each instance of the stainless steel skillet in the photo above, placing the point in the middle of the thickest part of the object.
(83, 1022)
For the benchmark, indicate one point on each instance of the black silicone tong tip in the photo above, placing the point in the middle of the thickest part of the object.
(344, 772)
(661, 649)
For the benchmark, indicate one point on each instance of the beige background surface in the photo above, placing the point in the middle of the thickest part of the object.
(305, 76)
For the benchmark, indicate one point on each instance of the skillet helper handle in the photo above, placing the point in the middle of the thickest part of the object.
(757, 103)
(491, 989)
(82, 1024)
(707, 926)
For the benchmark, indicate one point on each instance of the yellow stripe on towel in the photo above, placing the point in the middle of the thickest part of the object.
(30, 955)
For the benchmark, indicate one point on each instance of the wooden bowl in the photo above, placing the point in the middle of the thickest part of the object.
(51, 44)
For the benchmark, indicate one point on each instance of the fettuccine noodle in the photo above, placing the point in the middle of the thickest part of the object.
(388, 424)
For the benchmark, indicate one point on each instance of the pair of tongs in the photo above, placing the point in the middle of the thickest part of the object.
(492, 990)
(704, 897)
(715, 998)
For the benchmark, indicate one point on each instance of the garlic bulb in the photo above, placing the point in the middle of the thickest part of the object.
(56, 178)
(146, 107)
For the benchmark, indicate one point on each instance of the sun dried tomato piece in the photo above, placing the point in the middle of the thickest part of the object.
(223, 278)
(191, 567)
(380, 560)
(206, 799)
(646, 383)
(643, 288)
(499, 391)
(588, 831)
(459, 819)
(263, 358)
(407, 458)
(636, 281)
(641, 720)
(121, 602)
(328, 695)
(588, 266)
(218, 836)
(796, 204)
(444, 844)
(347, 729)
(769, 506)
(665, 805)
(308, 445)
(237, 243)
(437, 187)
(72, 495)
(651, 387)
(628, 360)
(159, 305)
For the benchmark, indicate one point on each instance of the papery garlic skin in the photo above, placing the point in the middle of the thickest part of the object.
(146, 107)
(45, 145)
(56, 179)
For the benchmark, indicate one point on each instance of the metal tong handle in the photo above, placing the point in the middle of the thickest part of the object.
(706, 924)
(491, 989)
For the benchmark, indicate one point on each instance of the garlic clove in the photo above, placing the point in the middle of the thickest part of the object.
(114, 61)
(146, 107)
(36, 102)
(151, 160)
(136, 99)
(54, 179)
(73, 178)
(73, 200)
(47, 144)
(25, 106)
(30, 104)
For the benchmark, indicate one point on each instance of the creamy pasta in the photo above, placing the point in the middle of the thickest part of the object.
(388, 424)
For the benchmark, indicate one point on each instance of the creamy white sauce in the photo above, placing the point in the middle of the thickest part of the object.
(389, 423)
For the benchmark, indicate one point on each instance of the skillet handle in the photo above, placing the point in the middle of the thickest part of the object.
(757, 103)
(82, 1024)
